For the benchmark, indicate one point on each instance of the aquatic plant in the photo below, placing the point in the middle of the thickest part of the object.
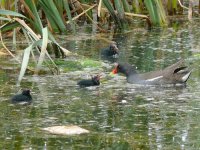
(156, 12)
(34, 41)
(37, 20)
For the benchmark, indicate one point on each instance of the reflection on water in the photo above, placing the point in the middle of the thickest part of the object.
(119, 115)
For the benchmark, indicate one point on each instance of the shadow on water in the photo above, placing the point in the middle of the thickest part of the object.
(117, 114)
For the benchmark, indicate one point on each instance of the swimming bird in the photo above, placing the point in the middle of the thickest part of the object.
(111, 52)
(174, 74)
(94, 81)
(25, 96)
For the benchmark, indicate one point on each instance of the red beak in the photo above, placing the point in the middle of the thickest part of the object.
(114, 71)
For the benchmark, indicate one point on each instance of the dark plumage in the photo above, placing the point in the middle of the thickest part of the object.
(174, 74)
(94, 81)
(110, 52)
(25, 96)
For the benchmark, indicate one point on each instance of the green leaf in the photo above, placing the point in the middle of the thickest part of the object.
(66, 6)
(5, 19)
(24, 63)
(11, 13)
(26, 57)
(36, 22)
(53, 15)
(43, 48)
(150, 7)
(9, 26)
(120, 9)
(33, 34)
(156, 12)
(111, 10)
(126, 6)
(174, 4)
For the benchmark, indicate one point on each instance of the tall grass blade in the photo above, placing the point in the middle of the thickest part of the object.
(59, 5)
(136, 6)
(9, 26)
(161, 13)
(120, 9)
(43, 49)
(99, 8)
(66, 6)
(53, 15)
(24, 63)
(157, 12)
(14, 40)
(22, 22)
(11, 13)
(174, 5)
(126, 6)
(150, 7)
(110, 8)
(32, 10)
(5, 19)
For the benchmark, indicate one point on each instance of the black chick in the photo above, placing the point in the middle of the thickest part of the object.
(25, 96)
(94, 81)
(110, 53)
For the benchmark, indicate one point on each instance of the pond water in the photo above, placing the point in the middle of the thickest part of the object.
(117, 114)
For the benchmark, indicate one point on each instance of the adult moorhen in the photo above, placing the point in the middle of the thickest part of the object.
(94, 81)
(25, 96)
(110, 52)
(174, 74)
